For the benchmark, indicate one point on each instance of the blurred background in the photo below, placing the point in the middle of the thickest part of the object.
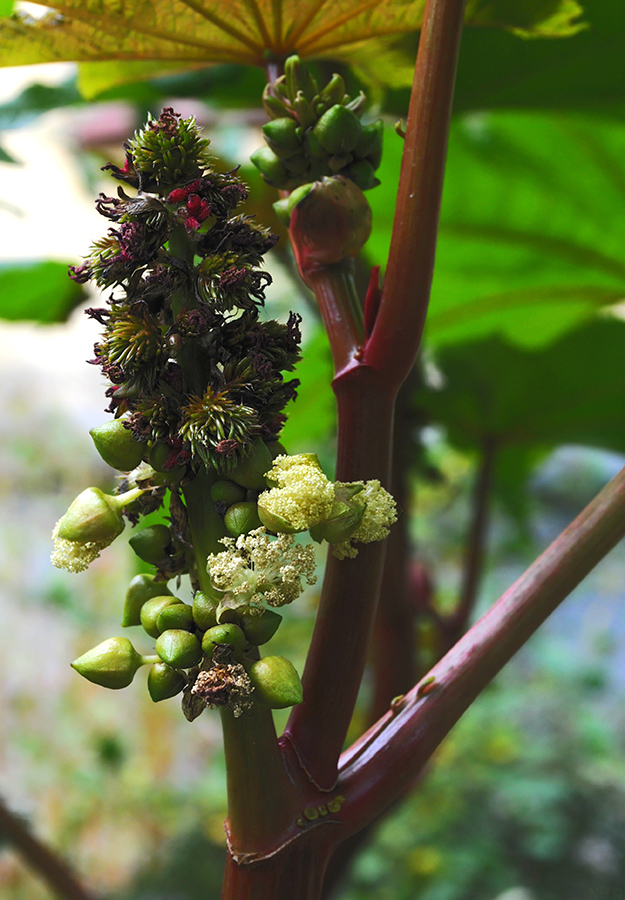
(526, 798)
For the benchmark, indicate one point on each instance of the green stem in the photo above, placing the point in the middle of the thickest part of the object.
(206, 526)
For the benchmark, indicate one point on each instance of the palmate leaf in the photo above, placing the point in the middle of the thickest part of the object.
(530, 243)
(198, 32)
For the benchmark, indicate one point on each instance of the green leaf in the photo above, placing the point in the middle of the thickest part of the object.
(35, 100)
(96, 77)
(572, 392)
(38, 291)
(6, 8)
(531, 229)
(6, 157)
(245, 31)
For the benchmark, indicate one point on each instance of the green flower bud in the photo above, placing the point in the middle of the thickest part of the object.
(164, 682)
(150, 544)
(362, 174)
(179, 648)
(204, 611)
(370, 144)
(275, 522)
(296, 165)
(331, 223)
(281, 136)
(227, 633)
(270, 167)
(241, 518)
(112, 663)
(227, 492)
(313, 146)
(178, 615)
(345, 516)
(141, 589)
(304, 110)
(333, 92)
(338, 130)
(276, 682)
(250, 473)
(285, 207)
(274, 107)
(93, 516)
(260, 628)
(150, 612)
(298, 79)
(117, 445)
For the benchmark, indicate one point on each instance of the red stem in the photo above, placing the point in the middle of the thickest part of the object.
(382, 763)
(405, 296)
(55, 871)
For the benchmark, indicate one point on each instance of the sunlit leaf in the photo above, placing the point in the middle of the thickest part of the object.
(531, 227)
(37, 292)
(249, 31)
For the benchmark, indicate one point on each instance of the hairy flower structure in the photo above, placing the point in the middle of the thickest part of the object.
(189, 360)
(380, 511)
(257, 568)
(302, 496)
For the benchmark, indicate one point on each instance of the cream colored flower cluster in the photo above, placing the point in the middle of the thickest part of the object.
(256, 567)
(380, 512)
(75, 556)
(301, 495)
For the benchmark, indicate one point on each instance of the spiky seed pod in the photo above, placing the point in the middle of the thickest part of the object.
(213, 419)
(169, 150)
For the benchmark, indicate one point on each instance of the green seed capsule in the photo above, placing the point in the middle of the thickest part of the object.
(276, 682)
(260, 628)
(228, 633)
(204, 611)
(164, 682)
(117, 445)
(151, 610)
(179, 648)
(150, 544)
(112, 664)
(178, 615)
(338, 130)
(227, 492)
(141, 589)
(333, 92)
(250, 473)
(362, 174)
(242, 518)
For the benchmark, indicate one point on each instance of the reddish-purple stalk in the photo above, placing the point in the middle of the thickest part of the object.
(50, 866)
(382, 764)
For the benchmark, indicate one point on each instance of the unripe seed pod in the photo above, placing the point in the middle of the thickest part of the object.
(159, 453)
(178, 615)
(150, 543)
(281, 136)
(141, 589)
(370, 144)
(179, 648)
(242, 518)
(117, 445)
(204, 610)
(250, 473)
(112, 664)
(270, 167)
(227, 633)
(313, 146)
(296, 165)
(150, 612)
(260, 628)
(164, 682)
(338, 130)
(93, 516)
(298, 79)
(276, 682)
(227, 492)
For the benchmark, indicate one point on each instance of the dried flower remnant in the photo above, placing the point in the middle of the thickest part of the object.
(225, 685)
